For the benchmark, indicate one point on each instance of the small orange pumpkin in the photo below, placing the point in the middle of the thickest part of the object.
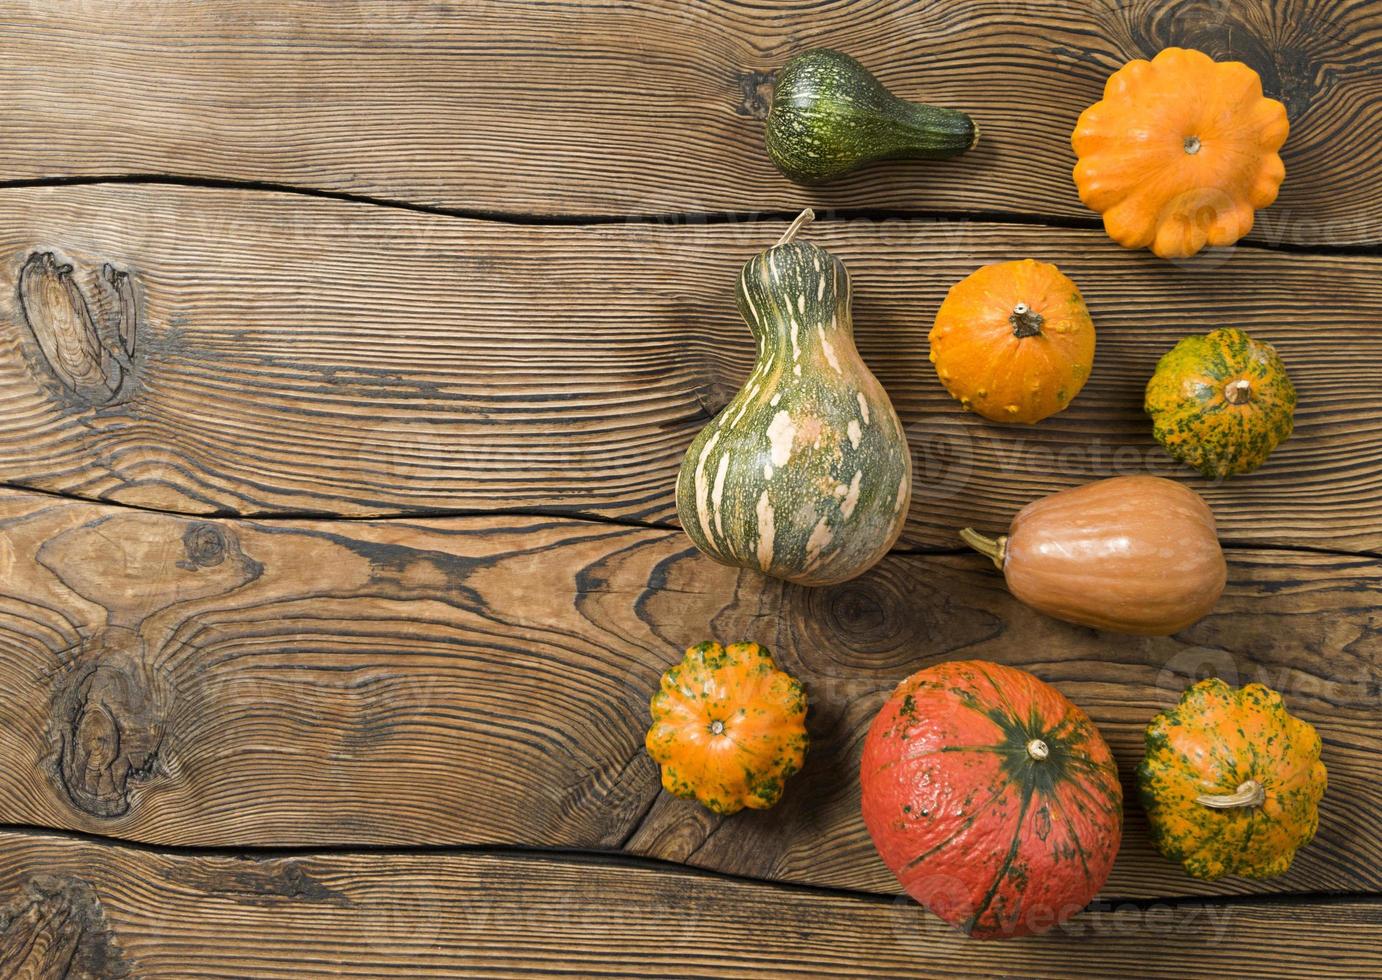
(1013, 341)
(1180, 152)
(729, 728)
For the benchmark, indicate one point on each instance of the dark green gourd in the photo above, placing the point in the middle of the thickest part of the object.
(831, 116)
(805, 475)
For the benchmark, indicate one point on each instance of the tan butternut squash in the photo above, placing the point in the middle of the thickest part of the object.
(1133, 554)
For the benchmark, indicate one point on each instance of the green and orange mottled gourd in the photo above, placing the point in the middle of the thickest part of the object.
(993, 799)
(1231, 782)
(805, 474)
(1221, 403)
(729, 728)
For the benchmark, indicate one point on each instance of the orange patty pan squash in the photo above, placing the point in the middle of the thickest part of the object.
(1180, 153)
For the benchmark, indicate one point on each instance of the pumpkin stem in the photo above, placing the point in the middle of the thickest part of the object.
(803, 219)
(1238, 392)
(994, 548)
(1038, 749)
(1250, 793)
(1192, 145)
(1026, 321)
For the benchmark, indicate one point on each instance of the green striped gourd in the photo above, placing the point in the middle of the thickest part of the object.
(805, 474)
(831, 116)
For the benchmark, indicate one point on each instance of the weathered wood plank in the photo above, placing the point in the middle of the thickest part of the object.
(602, 108)
(468, 680)
(316, 356)
(106, 911)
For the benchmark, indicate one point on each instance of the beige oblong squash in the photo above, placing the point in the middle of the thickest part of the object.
(1132, 554)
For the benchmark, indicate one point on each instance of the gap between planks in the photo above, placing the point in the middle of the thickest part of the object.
(823, 214)
(623, 859)
(280, 516)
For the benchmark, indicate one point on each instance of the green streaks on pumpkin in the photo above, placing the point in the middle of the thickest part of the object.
(982, 908)
(1193, 416)
(1251, 737)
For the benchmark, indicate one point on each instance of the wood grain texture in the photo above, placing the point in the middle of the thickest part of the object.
(300, 355)
(449, 688)
(150, 915)
(486, 680)
(656, 107)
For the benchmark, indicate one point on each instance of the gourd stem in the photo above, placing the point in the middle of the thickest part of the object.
(995, 548)
(1238, 392)
(1038, 750)
(1250, 793)
(803, 219)
(1026, 321)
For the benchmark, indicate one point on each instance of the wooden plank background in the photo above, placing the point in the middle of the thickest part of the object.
(279, 664)
(519, 915)
(606, 108)
(365, 361)
(328, 624)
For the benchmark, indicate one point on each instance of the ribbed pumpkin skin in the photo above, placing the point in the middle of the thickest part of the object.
(1180, 152)
(1134, 554)
(729, 728)
(1216, 739)
(986, 836)
(830, 116)
(989, 359)
(805, 474)
(1188, 399)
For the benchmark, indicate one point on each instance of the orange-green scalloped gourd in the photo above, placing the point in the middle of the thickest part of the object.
(729, 727)
(1231, 782)
(1180, 153)
(1013, 341)
(1221, 403)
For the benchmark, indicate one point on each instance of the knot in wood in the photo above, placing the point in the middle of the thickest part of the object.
(106, 725)
(55, 927)
(91, 354)
(205, 545)
(756, 90)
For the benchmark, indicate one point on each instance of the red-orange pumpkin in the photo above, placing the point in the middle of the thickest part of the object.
(993, 799)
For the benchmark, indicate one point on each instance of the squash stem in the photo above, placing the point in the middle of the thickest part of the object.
(1238, 392)
(1026, 321)
(803, 219)
(1250, 793)
(995, 548)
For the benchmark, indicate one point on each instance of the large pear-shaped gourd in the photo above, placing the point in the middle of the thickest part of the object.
(805, 475)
